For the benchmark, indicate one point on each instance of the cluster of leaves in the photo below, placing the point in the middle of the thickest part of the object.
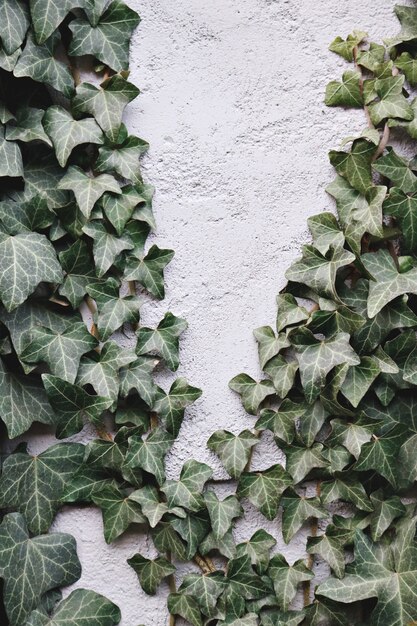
(339, 396)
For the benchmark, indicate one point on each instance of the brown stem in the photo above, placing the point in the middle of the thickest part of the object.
(358, 67)
(382, 144)
(103, 434)
(202, 564)
(154, 420)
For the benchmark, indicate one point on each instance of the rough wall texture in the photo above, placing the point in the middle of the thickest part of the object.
(232, 104)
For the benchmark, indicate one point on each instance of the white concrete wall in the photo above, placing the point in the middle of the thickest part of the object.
(232, 104)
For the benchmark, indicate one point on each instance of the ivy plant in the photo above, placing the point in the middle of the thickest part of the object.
(338, 394)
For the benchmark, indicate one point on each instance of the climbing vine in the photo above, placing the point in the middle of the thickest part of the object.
(339, 396)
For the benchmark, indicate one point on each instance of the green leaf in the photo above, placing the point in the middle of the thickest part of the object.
(268, 344)
(77, 264)
(186, 492)
(31, 567)
(138, 375)
(60, 351)
(392, 102)
(404, 208)
(289, 312)
(81, 607)
(346, 93)
(123, 158)
(107, 247)
(148, 270)
(330, 547)
(26, 260)
(300, 460)
(351, 435)
(22, 401)
(319, 271)
(316, 358)
(252, 393)
(151, 572)
(108, 40)
(282, 422)
(397, 170)
(206, 589)
(171, 406)
(297, 510)
(72, 404)
(286, 578)
(186, 607)
(163, 340)
(85, 482)
(149, 453)
(119, 511)
(265, 488)
(408, 21)
(232, 450)
(346, 48)
(106, 103)
(387, 282)
(42, 64)
(152, 508)
(243, 580)
(66, 133)
(135, 202)
(27, 126)
(359, 379)
(257, 548)
(347, 490)
(392, 581)
(407, 64)
(166, 539)
(113, 310)
(11, 163)
(87, 189)
(14, 17)
(47, 15)
(381, 454)
(101, 370)
(282, 373)
(221, 512)
(33, 485)
(355, 165)
(192, 528)
(386, 510)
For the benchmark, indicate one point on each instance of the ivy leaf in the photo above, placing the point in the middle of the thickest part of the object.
(243, 580)
(408, 21)
(386, 510)
(109, 39)
(11, 157)
(404, 208)
(107, 247)
(355, 165)
(186, 607)
(387, 282)
(346, 48)
(33, 215)
(381, 454)
(85, 482)
(257, 548)
(31, 567)
(264, 489)
(268, 344)
(26, 260)
(113, 310)
(282, 422)
(149, 453)
(233, 450)
(42, 65)
(221, 512)
(80, 607)
(359, 379)
(22, 401)
(134, 201)
(15, 19)
(148, 270)
(67, 133)
(77, 265)
(289, 312)
(319, 271)
(225, 546)
(279, 618)
(286, 578)
(151, 507)
(27, 126)
(87, 189)
(297, 510)
(392, 102)
(138, 375)
(119, 511)
(300, 460)
(330, 547)
(206, 589)
(166, 539)
(34, 485)
(163, 340)
(316, 358)
(373, 576)
(123, 158)
(102, 370)
(347, 490)
(47, 15)
(186, 492)
(346, 93)
(71, 404)
(106, 103)
(61, 351)
(192, 528)
(351, 435)
(170, 406)
(151, 572)
(397, 170)
(252, 393)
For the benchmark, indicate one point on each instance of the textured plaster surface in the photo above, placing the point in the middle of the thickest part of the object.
(232, 104)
